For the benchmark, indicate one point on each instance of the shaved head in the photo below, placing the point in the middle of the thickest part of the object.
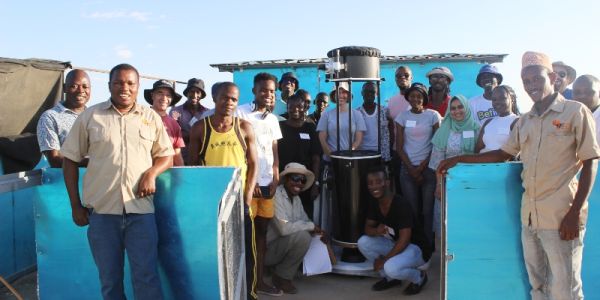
(586, 90)
(75, 73)
(77, 89)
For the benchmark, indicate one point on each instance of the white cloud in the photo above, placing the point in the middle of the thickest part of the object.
(132, 15)
(123, 52)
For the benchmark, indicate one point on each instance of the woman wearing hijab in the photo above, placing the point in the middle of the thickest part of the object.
(457, 135)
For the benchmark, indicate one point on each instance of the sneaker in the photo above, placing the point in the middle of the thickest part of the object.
(413, 288)
(384, 284)
(269, 291)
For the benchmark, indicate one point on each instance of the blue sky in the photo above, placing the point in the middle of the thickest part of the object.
(178, 40)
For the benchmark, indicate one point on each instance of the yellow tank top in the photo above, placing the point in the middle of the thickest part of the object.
(224, 149)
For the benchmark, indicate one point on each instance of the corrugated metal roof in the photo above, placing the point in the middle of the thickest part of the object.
(487, 58)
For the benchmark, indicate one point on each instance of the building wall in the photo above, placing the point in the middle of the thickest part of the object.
(313, 80)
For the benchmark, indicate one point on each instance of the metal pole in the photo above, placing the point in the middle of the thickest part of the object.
(337, 108)
(350, 136)
(379, 112)
(445, 256)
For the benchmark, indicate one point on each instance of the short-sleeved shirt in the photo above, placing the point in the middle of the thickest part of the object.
(121, 147)
(328, 123)
(54, 126)
(185, 116)
(418, 132)
(481, 109)
(552, 147)
(266, 130)
(369, 141)
(397, 104)
(400, 216)
(298, 144)
(174, 131)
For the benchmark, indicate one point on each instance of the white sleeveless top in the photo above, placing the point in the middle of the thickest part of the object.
(496, 132)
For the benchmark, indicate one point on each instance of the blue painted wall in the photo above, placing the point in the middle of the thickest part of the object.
(313, 80)
(186, 214)
(484, 235)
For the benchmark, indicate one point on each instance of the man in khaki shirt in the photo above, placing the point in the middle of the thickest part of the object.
(556, 140)
(128, 148)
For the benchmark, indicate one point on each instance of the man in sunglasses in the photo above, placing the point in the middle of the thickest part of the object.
(289, 233)
(396, 105)
(440, 79)
(565, 75)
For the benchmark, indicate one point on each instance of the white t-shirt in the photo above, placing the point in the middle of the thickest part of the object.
(496, 132)
(481, 109)
(266, 130)
(418, 132)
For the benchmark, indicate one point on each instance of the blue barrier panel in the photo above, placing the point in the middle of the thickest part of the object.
(7, 235)
(483, 222)
(24, 229)
(17, 236)
(187, 203)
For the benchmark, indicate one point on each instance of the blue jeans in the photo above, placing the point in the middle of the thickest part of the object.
(403, 266)
(109, 236)
(553, 265)
(421, 197)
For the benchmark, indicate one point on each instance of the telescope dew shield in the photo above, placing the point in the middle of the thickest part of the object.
(355, 63)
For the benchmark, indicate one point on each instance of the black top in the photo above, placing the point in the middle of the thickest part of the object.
(400, 216)
(298, 144)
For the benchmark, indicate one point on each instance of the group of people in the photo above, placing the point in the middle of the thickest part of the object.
(281, 150)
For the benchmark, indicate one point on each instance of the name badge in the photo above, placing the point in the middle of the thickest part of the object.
(391, 231)
(411, 123)
(504, 131)
(305, 136)
(468, 134)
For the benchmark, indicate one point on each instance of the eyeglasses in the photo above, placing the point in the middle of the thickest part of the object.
(562, 74)
(400, 75)
(290, 81)
(298, 178)
(452, 107)
(437, 77)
